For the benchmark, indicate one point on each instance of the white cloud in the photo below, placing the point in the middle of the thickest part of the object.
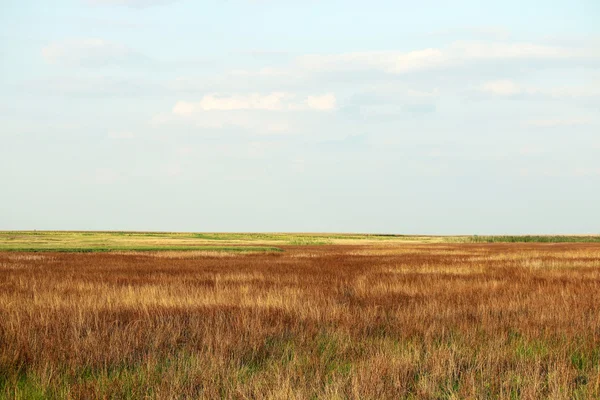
(325, 102)
(242, 80)
(121, 135)
(298, 165)
(260, 113)
(272, 102)
(502, 88)
(477, 50)
(184, 108)
(557, 122)
(172, 170)
(573, 91)
(562, 172)
(586, 171)
(106, 176)
(418, 60)
(491, 32)
(422, 93)
(262, 72)
(507, 87)
(531, 150)
(185, 150)
(261, 149)
(386, 111)
(387, 61)
(275, 101)
(131, 3)
(277, 127)
(255, 121)
(94, 86)
(458, 53)
(88, 52)
(304, 70)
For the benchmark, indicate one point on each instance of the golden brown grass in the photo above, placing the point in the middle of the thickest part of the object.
(387, 320)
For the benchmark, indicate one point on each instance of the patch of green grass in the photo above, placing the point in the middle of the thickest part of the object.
(531, 349)
(26, 388)
(309, 241)
(279, 348)
(288, 238)
(90, 242)
(533, 239)
(238, 249)
(585, 360)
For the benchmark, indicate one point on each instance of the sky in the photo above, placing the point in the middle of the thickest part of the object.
(428, 117)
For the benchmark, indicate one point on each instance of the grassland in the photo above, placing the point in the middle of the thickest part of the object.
(341, 316)
(92, 242)
(63, 241)
(533, 239)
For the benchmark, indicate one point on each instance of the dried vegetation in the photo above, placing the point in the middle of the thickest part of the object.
(383, 320)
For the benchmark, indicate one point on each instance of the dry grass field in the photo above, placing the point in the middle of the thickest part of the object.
(363, 319)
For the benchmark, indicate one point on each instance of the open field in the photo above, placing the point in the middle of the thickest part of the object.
(342, 316)
(65, 241)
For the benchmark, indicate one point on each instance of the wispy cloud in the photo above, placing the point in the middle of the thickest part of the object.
(501, 88)
(260, 113)
(477, 50)
(423, 93)
(326, 102)
(121, 135)
(131, 3)
(91, 86)
(253, 121)
(275, 101)
(481, 32)
(387, 61)
(507, 87)
(457, 54)
(558, 122)
(583, 171)
(88, 53)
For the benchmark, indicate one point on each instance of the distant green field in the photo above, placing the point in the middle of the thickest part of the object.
(72, 241)
(535, 239)
(239, 249)
(91, 242)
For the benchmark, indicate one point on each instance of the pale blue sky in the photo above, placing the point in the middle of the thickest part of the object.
(435, 117)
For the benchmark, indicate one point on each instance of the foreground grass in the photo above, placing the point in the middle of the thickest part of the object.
(366, 322)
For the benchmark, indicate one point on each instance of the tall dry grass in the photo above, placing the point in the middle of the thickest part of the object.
(368, 322)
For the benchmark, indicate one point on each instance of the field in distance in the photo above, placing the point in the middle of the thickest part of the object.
(281, 316)
(65, 241)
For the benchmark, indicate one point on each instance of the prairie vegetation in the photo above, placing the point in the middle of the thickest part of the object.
(535, 239)
(94, 242)
(370, 318)
(65, 241)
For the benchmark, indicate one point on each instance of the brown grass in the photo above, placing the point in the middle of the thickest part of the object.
(354, 321)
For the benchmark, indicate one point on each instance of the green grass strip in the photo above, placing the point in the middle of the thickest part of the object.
(534, 239)
(237, 249)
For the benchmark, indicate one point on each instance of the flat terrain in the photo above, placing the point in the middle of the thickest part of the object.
(297, 316)
(89, 242)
